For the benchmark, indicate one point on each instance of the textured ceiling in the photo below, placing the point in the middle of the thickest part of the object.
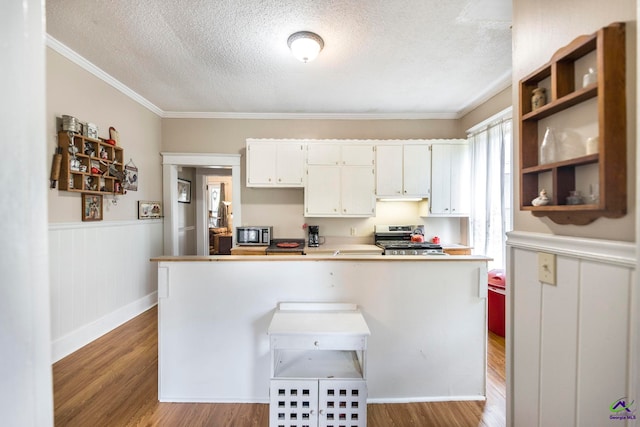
(220, 56)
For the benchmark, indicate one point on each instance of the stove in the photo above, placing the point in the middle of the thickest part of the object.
(396, 240)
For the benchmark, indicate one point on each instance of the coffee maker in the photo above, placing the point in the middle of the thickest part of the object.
(314, 236)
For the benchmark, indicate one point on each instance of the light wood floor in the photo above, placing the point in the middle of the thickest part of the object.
(113, 382)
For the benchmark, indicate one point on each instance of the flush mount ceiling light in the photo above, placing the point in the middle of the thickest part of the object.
(305, 45)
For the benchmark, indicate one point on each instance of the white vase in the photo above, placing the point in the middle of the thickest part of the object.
(548, 148)
(592, 145)
(590, 78)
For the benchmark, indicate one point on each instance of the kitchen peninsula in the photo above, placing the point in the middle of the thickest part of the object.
(426, 314)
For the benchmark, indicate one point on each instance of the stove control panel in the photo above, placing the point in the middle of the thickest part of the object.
(414, 252)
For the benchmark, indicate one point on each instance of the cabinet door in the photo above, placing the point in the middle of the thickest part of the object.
(290, 164)
(323, 154)
(261, 164)
(358, 155)
(440, 179)
(358, 191)
(322, 192)
(460, 180)
(389, 170)
(417, 170)
(342, 403)
(293, 403)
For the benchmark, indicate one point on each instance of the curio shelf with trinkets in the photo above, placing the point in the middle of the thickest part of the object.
(566, 89)
(90, 165)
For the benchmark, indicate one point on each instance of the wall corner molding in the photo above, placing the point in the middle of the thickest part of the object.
(74, 57)
(599, 250)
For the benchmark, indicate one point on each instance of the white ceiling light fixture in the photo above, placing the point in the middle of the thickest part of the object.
(305, 45)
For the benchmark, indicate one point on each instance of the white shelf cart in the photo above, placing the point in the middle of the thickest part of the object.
(318, 366)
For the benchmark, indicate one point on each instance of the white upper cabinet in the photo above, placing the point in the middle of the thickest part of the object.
(450, 179)
(319, 153)
(403, 170)
(275, 163)
(389, 171)
(340, 180)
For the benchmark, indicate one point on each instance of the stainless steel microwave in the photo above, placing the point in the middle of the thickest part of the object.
(254, 235)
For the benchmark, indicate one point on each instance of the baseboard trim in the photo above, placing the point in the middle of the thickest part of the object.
(77, 339)
(209, 400)
(380, 400)
(426, 399)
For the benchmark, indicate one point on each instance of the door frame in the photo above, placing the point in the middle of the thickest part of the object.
(170, 164)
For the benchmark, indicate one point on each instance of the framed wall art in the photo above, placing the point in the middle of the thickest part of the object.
(184, 191)
(149, 210)
(91, 207)
(130, 176)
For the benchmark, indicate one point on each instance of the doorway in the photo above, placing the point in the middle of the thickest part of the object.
(203, 163)
(218, 215)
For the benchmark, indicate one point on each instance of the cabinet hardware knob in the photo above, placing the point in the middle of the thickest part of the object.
(316, 343)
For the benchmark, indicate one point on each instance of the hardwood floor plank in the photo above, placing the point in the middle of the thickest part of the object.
(113, 382)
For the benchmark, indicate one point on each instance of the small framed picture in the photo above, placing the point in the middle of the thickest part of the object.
(91, 207)
(149, 210)
(184, 191)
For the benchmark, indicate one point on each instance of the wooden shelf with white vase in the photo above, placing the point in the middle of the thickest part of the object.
(609, 91)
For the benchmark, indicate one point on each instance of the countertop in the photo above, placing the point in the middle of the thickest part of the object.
(322, 257)
(352, 249)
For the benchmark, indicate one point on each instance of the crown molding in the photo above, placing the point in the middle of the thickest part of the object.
(309, 116)
(500, 84)
(74, 57)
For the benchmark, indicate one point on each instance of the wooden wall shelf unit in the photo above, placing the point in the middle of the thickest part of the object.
(608, 43)
(74, 179)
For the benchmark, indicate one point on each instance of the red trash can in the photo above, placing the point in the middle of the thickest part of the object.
(497, 285)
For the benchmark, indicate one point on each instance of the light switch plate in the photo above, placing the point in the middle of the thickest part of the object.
(547, 268)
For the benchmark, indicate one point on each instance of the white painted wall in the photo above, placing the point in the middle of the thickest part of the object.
(26, 398)
(427, 320)
(100, 272)
(187, 215)
(540, 28)
(101, 277)
(571, 355)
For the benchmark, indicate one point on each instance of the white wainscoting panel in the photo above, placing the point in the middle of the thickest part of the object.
(100, 277)
(570, 352)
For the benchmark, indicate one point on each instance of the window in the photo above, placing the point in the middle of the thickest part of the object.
(491, 208)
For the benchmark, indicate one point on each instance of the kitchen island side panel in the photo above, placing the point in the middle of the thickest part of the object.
(427, 322)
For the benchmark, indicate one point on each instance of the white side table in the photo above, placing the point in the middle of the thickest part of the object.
(318, 365)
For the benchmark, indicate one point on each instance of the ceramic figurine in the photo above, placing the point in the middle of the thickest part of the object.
(539, 98)
(541, 200)
(88, 149)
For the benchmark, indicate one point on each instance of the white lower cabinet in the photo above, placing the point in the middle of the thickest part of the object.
(323, 403)
(318, 366)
